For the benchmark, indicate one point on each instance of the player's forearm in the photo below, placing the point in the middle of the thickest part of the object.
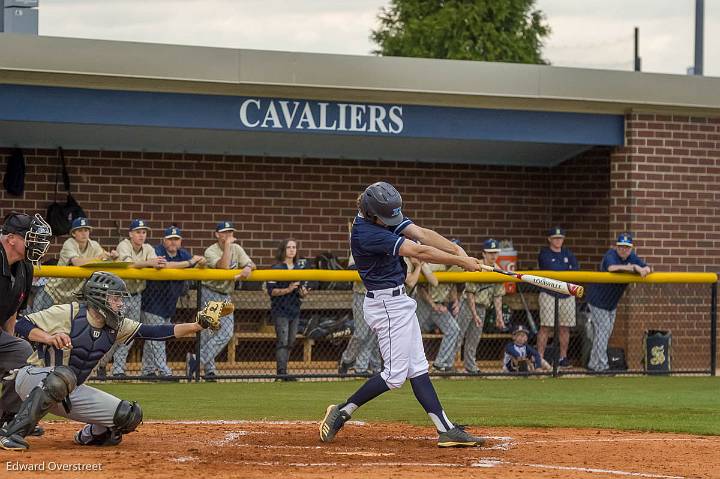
(498, 307)
(179, 264)
(224, 261)
(616, 268)
(187, 329)
(436, 240)
(10, 324)
(471, 303)
(431, 254)
(37, 335)
(412, 278)
(82, 261)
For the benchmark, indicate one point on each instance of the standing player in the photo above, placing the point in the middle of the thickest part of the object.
(76, 251)
(135, 250)
(71, 339)
(23, 242)
(603, 298)
(224, 254)
(556, 258)
(378, 241)
(478, 299)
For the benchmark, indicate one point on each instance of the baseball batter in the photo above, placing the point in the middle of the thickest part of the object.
(378, 242)
(71, 339)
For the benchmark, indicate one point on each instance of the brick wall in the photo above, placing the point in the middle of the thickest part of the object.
(665, 188)
(311, 200)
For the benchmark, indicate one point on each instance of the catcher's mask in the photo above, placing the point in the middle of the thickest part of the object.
(107, 293)
(382, 200)
(33, 229)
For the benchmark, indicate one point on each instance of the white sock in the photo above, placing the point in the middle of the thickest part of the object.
(439, 423)
(349, 408)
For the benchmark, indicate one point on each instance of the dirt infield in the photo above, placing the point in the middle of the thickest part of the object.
(292, 449)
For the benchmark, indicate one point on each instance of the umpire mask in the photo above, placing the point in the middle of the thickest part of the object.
(35, 232)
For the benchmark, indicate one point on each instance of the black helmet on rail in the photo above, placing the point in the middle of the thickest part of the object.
(107, 293)
(382, 200)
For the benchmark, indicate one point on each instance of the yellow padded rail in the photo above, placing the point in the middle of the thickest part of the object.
(350, 275)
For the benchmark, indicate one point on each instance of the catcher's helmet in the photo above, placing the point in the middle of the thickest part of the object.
(100, 286)
(381, 199)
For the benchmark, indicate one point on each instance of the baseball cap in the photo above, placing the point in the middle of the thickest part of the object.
(225, 226)
(624, 239)
(17, 223)
(556, 232)
(80, 223)
(138, 225)
(520, 329)
(172, 232)
(491, 246)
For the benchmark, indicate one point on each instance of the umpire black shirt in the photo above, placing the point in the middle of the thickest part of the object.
(15, 284)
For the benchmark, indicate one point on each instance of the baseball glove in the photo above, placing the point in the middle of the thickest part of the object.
(209, 316)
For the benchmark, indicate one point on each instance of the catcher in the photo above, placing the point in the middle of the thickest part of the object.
(520, 357)
(71, 339)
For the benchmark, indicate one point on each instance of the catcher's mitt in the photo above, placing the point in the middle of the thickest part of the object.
(209, 316)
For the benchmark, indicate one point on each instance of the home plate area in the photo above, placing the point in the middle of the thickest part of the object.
(260, 449)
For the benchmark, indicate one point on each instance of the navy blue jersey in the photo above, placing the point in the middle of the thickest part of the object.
(376, 250)
(160, 297)
(287, 305)
(564, 260)
(607, 295)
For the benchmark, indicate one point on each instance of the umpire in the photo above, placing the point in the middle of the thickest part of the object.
(23, 242)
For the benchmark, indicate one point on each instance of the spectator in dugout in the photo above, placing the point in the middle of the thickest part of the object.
(77, 250)
(477, 299)
(223, 254)
(603, 298)
(159, 300)
(520, 356)
(285, 299)
(555, 257)
(439, 305)
(135, 251)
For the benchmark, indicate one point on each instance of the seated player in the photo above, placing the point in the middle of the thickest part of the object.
(71, 339)
(519, 356)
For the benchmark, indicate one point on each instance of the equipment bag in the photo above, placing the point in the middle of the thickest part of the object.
(61, 215)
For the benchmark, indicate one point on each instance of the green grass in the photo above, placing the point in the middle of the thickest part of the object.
(668, 404)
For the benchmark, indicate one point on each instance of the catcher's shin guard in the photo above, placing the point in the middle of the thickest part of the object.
(56, 387)
(128, 416)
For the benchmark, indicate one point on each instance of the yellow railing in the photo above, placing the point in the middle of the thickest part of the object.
(207, 274)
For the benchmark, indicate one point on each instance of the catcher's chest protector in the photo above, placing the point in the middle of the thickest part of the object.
(89, 345)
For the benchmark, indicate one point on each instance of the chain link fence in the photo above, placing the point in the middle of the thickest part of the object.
(655, 328)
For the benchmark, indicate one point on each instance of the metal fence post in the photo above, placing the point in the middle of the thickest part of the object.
(713, 329)
(198, 337)
(556, 338)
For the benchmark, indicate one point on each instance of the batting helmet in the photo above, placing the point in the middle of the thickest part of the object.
(98, 288)
(381, 199)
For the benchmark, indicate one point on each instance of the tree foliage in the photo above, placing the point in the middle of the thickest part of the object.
(488, 30)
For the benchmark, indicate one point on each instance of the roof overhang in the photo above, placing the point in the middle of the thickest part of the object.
(91, 94)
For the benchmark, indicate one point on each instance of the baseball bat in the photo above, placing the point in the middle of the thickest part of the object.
(540, 281)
